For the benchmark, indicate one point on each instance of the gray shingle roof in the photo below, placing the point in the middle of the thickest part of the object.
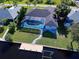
(76, 0)
(13, 11)
(51, 9)
(39, 13)
(75, 16)
(10, 13)
(5, 14)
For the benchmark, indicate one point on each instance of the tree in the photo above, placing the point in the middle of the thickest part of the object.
(69, 2)
(21, 15)
(49, 2)
(61, 13)
(12, 26)
(75, 33)
(5, 21)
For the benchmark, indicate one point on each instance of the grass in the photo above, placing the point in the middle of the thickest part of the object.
(24, 1)
(60, 42)
(57, 2)
(24, 37)
(1, 34)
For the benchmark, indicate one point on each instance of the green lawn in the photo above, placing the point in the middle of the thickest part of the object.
(24, 1)
(1, 34)
(61, 42)
(57, 1)
(24, 37)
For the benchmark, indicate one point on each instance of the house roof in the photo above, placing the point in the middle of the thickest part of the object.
(76, 0)
(39, 13)
(51, 9)
(73, 11)
(5, 14)
(10, 13)
(74, 16)
(13, 11)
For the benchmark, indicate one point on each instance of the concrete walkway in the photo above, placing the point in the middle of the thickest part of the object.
(2, 39)
(41, 5)
(5, 34)
(38, 38)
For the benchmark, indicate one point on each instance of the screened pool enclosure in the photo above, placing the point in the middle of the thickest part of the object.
(40, 19)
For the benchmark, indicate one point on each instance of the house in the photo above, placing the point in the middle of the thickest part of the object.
(76, 2)
(73, 17)
(40, 19)
(9, 50)
(10, 13)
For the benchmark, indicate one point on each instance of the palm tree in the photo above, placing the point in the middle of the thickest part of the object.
(12, 26)
(49, 1)
(61, 13)
(21, 16)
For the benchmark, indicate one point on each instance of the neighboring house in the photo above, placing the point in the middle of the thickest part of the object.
(76, 2)
(73, 17)
(9, 50)
(10, 13)
(41, 19)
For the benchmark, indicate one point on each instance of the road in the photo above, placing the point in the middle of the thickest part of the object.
(39, 5)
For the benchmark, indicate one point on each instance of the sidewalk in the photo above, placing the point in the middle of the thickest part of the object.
(41, 5)
(38, 38)
(5, 34)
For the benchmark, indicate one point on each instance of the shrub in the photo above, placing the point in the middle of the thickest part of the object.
(1, 29)
(21, 15)
(72, 4)
(5, 21)
(29, 30)
(12, 27)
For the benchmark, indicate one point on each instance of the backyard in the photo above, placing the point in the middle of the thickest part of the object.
(1, 34)
(61, 42)
(26, 37)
